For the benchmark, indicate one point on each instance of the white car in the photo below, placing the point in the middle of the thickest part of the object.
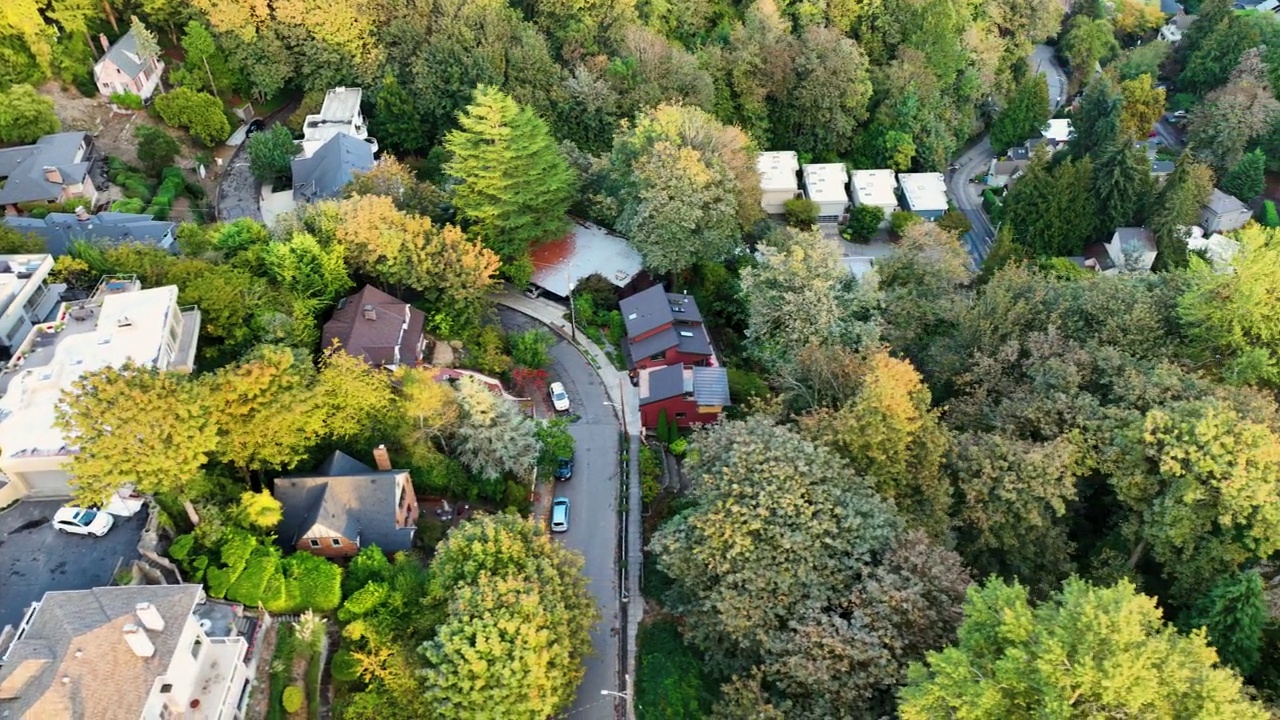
(82, 521)
(559, 398)
(560, 515)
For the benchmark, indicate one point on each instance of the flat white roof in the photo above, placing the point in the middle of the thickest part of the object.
(778, 170)
(874, 187)
(824, 182)
(1220, 248)
(1058, 130)
(129, 326)
(924, 191)
(17, 272)
(341, 104)
(587, 249)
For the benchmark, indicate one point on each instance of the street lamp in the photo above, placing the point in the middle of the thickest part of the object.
(622, 695)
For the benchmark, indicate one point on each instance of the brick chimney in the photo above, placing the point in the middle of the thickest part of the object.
(150, 616)
(138, 641)
(381, 458)
(52, 175)
(103, 39)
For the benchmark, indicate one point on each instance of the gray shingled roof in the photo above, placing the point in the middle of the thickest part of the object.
(664, 382)
(711, 386)
(645, 311)
(693, 339)
(650, 309)
(59, 230)
(1221, 203)
(360, 505)
(124, 53)
(375, 341)
(330, 168)
(23, 168)
(1161, 167)
(109, 680)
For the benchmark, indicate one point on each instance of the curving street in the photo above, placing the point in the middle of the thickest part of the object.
(975, 159)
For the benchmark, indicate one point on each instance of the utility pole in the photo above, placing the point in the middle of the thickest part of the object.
(622, 398)
(573, 312)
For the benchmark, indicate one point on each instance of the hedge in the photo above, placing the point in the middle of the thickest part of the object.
(310, 583)
(345, 667)
(218, 580)
(181, 546)
(362, 601)
(249, 585)
(200, 113)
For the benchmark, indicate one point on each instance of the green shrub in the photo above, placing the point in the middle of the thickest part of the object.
(801, 212)
(249, 585)
(650, 474)
(901, 220)
(218, 580)
(530, 348)
(128, 205)
(955, 221)
(1269, 216)
(200, 113)
(181, 546)
(745, 385)
(369, 565)
(237, 546)
(198, 566)
(310, 583)
(603, 294)
(363, 601)
(670, 679)
(126, 100)
(194, 190)
(678, 446)
(292, 698)
(39, 213)
(664, 426)
(345, 667)
(156, 148)
(863, 223)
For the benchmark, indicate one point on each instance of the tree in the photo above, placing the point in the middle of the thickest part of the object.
(395, 118)
(138, 425)
(1270, 217)
(260, 510)
(829, 95)
(1089, 651)
(156, 149)
(801, 213)
(148, 48)
(1136, 18)
(1233, 615)
(25, 115)
(955, 221)
(801, 294)
(200, 113)
(1246, 179)
(494, 437)
(1121, 185)
(864, 222)
(530, 348)
(395, 180)
(307, 269)
(267, 410)
(357, 398)
(1143, 106)
(431, 407)
(1100, 120)
(1234, 114)
(271, 154)
(1145, 59)
(1004, 251)
(1053, 210)
(515, 620)
(13, 242)
(1025, 113)
(515, 183)
(1086, 43)
(1177, 207)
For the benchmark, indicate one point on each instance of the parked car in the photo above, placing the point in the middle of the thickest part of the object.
(255, 125)
(559, 398)
(560, 514)
(564, 468)
(82, 521)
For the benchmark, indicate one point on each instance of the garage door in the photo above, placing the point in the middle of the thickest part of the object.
(48, 483)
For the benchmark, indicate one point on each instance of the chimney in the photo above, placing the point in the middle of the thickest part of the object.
(149, 616)
(381, 458)
(52, 175)
(138, 641)
(102, 38)
(81, 214)
(370, 313)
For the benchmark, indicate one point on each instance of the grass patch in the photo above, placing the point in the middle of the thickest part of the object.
(670, 681)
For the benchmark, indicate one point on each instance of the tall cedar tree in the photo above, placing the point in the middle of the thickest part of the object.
(1023, 116)
(1234, 613)
(1053, 210)
(1098, 123)
(1247, 179)
(1121, 184)
(516, 185)
(1176, 208)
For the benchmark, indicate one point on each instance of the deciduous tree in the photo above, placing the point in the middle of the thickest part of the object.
(1235, 113)
(357, 399)
(156, 148)
(829, 96)
(271, 154)
(1143, 106)
(1247, 179)
(200, 113)
(26, 115)
(1086, 43)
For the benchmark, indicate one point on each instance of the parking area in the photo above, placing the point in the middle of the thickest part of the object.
(35, 558)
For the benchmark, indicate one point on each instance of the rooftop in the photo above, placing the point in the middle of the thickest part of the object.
(1058, 130)
(778, 170)
(924, 192)
(326, 171)
(341, 104)
(17, 272)
(1222, 203)
(706, 386)
(124, 53)
(59, 230)
(1219, 248)
(824, 182)
(119, 324)
(381, 329)
(1162, 167)
(72, 659)
(874, 187)
(345, 498)
(340, 114)
(26, 170)
(588, 249)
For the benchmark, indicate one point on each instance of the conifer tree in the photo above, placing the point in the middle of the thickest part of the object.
(1234, 613)
(1246, 180)
(148, 47)
(1121, 184)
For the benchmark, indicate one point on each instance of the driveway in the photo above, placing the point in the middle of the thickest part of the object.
(593, 512)
(35, 558)
(238, 193)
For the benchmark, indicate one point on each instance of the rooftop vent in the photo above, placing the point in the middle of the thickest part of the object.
(370, 313)
(138, 641)
(685, 333)
(149, 616)
(124, 321)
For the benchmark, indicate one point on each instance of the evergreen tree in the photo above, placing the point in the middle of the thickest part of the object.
(395, 117)
(1176, 208)
(515, 183)
(1121, 184)
(1246, 180)
(1098, 123)
(1026, 112)
(1234, 613)
(1004, 251)
(148, 47)
(1053, 210)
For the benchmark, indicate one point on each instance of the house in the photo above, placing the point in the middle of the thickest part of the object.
(1057, 132)
(1002, 172)
(347, 505)
(687, 395)
(60, 230)
(1219, 249)
(57, 168)
(323, 174)
(778, 182)
(925, 194)
(122, 69)
(382, 330)
(118, 323)
(1018, 152)
(824, 184)
(1161, 169)
(588, 249)
(135, 651)
(339, 115)
(1223, 213)
(664, 329)
(875, 188)
(1173, 30)
(25, 299)
(1130, 250)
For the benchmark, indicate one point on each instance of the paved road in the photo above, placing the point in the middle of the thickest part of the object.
(975, 159)
(593, 513)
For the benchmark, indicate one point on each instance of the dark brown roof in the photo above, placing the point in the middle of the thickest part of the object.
(394, 325)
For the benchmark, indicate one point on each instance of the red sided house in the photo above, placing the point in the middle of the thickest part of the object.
(688, 394)
(664, 329)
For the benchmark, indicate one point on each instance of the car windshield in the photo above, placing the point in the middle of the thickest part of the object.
(559, 395)
(85, 516)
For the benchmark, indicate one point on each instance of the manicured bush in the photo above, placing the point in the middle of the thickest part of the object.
(126, 100)
(237, 546)
(864, 222)
(292, 699)
(530, 348)
(650, 474)
(801, 212)
(678, 446)
(200, 113)
(664, 426)
(310, 583)
(252, 581)
(217, 580)
(1269, 216)
(181, 546)
(363, 601)
(128, 205)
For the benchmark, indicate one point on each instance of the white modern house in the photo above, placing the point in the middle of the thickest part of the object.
(118, 323)
(824, 185)
(875, 188)
(1057, 132)
(339, 115)
(1130, 250)
(1218, 248)
(25, 299)
(778, 183)
(924, 194)
(150, 652)
(1173, 30)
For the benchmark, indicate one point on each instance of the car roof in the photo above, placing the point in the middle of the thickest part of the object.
(67, 513)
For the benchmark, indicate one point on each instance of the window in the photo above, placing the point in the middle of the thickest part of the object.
(166, 688)
(659, 356)
(315, 543)
(195, 648)
(337, 542)
(680, 416)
